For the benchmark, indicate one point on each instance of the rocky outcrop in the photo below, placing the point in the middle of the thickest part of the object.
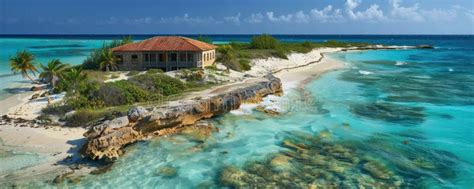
(107, 140)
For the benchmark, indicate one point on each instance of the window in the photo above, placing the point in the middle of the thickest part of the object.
(182, 57)
(190, 57)
(153, 57)
(172, 57)
(161, 57)
(134, 56)
(205, 57)
(119, 59)
(147, 57)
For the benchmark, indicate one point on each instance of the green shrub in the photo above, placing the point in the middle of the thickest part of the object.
(133, 73)
(57, 109)
(264, 41)
(154, 71)
(161, 83)
(83, 117)
(280, 53)
(121, 93)
(307, 44)
(96, 57)
(192, 74)
(81, 102)
(244, 55)
(244, 64)
(239, 45)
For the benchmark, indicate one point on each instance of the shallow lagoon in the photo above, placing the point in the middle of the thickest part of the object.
(348, 132)
(392, 118)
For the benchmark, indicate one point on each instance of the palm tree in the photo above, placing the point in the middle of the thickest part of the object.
(74, 77)
(22, 63)
(127, 40)
(109, 61)
(53, 71)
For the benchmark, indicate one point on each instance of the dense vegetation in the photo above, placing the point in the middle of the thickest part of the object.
(237, 56)
(102, 59)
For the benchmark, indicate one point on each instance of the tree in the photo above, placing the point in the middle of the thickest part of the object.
(228, 54)
(22, 63)
(53, 72)
(127, 40)
(73, 78)
(109, 61)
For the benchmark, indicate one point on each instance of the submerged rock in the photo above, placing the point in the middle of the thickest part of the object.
(167, 171)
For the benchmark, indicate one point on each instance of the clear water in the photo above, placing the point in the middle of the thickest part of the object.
(407, 111)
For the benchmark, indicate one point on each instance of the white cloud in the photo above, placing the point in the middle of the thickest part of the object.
(281, 18)
(144, 20)
(470, 15)
(438, 15)
(186, 19)
(405, 13)
(233, 19)
(255, 18)
(301, 17)
(326, 15)
(373, 13)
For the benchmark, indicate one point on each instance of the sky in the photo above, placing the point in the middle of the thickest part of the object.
(236, 16)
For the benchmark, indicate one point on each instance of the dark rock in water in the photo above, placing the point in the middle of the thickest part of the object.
(102, 169)
(167, 171)
(425, 47)
(62, 177)
(390, 112)
(107, 142)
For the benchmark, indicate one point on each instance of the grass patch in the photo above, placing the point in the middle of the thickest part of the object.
(83, 117)
(154, 71)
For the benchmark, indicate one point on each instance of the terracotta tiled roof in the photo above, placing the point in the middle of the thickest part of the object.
(166, 43)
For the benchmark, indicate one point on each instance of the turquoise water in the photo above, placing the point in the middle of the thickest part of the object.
(389, 119)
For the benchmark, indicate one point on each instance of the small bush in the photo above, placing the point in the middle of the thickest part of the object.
(161, 83)
(82, 118)
(45, 118)
(244, 55)
(280, 53)
(307, 44)
(264, 41)
(154, 71)
(192, 75)
(57, 109)
(133, 73)
(244, 64)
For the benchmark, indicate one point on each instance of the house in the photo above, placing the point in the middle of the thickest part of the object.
(165, 52)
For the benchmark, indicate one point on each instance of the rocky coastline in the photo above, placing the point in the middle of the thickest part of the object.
(106, 141)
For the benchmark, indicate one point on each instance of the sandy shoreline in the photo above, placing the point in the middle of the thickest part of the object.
(56, 143)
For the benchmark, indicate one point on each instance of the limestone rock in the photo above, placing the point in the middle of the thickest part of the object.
(136, 113)
(108, 140)
(35, 96)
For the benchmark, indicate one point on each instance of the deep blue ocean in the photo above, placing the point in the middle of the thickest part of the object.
(390, 118)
